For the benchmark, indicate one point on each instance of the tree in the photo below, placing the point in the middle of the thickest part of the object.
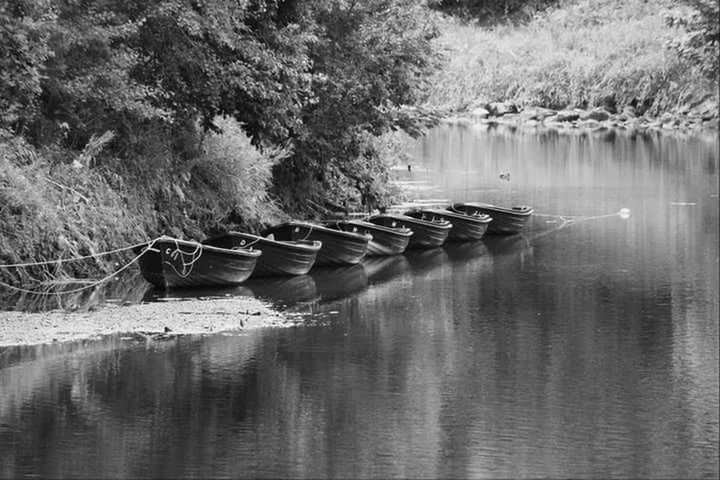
(372, 58)
(700, 42)
(24, 31)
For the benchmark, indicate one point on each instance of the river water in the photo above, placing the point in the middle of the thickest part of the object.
(584, 349)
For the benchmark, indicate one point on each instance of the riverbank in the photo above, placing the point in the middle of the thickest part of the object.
(701, 121)
(155, 320)
(596, 63)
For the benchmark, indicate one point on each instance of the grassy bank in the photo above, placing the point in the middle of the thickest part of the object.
(581, 53)
(56, 204)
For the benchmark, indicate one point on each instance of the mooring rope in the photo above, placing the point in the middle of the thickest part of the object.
(623, 213)
(64, 260)
(91, 285)
(178, 252)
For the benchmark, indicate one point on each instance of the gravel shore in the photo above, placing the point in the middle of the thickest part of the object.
(190, 316)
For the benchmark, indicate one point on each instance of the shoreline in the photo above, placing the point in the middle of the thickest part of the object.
(507, 114)
(210, 315)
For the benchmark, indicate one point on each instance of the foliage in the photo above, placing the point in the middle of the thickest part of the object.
(233, 177)
(699, 41)
(492, 10)
(24, 33)
(370, 59)
(51, 210)
(582, 54)
(133, 118)
(226, 58)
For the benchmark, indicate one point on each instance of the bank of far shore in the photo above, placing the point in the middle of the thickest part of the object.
(155, 320)
(701, 122)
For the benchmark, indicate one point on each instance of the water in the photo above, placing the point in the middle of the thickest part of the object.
(580, 350)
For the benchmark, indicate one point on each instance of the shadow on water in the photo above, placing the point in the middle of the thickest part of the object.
(284, 291)
(425, 261)
(154, 294)
(338, 282)
(128, 287)
(384, 269)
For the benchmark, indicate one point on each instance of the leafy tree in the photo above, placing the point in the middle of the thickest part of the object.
(24, 32)
(700, 42)
(371, 59)
(226, 57)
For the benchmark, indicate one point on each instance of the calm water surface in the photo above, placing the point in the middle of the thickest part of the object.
(586, 350)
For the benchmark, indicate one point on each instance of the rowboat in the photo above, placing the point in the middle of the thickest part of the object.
(385, 240)
(338, 247)
(426, 233)
(173, 263)
(466, 227)
(279, 257)
(505, 221)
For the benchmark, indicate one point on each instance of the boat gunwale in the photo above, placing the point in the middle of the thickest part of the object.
(525, 212)
(459, 215)
(445, 225)
(402, 231)
(239, 252)
(314, 226)
(302, 245)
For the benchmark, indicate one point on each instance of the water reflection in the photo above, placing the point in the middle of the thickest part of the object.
(286, 290)
(588, 351)
(339, 282)
(128, 286)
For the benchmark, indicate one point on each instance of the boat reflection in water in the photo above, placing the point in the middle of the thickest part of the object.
(285, 291)
(424, 261)
(384, 269)
(498, 245)
(463, 251)
(338, 282)
(157, 294)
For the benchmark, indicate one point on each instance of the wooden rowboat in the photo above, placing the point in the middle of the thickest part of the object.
(426, 234)
(466, 227)
(279, 257)
(385, 240)
(505, 221)
(338, 247)
(173, 263)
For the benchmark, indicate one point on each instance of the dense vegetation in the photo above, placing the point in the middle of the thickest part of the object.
(657, 56)
(121, 120)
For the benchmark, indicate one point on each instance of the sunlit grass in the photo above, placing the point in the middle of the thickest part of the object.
(583, 53)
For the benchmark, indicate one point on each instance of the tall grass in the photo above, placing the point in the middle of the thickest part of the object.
(582, 53)
(58, 204)
(56, 210)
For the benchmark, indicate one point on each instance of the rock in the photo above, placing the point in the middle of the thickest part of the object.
(598, 114)
(499, 109)
(479, 113)
(629, 111)
(567, 116)
(712, 123)
(537, 113)
(589, 123)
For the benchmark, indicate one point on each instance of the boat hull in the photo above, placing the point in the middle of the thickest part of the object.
(465, 227)
(338, 247)
(385, 240)
(505, 221)
(425, 234)
(174, 263)
(278, 257)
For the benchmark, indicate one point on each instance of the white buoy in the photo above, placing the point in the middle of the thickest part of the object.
(624, 213)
